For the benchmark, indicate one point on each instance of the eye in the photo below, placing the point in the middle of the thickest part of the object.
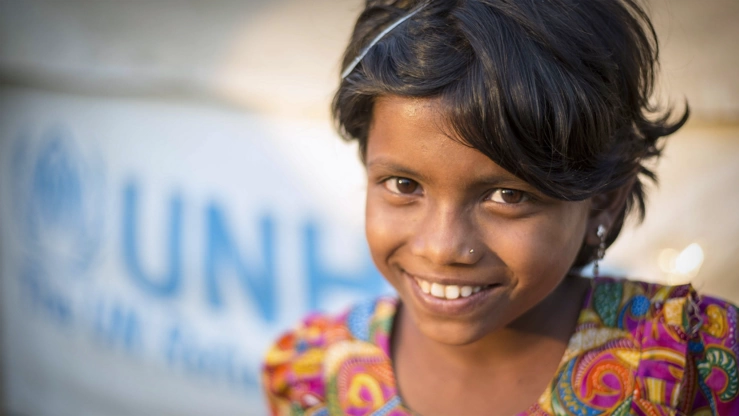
(508, 196)
(401, 186)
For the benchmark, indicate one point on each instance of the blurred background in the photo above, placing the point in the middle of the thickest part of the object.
(173, 196)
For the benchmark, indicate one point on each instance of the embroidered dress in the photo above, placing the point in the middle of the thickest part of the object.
(638, 349)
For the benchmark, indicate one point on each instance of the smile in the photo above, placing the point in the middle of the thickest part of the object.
(451, 298)
(446, 291)
(449, 292)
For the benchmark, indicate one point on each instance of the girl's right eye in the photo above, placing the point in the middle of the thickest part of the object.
(402, 186)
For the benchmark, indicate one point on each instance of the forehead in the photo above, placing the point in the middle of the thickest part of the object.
(414, 132)
(391, 110)
(407, 122)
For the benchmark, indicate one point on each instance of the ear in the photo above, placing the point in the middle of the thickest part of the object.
(605, 209)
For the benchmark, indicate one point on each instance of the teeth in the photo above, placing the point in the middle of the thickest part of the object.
(466, 291)
(437, 290)
(450, 292)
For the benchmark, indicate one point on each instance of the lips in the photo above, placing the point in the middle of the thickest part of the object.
(450, 297)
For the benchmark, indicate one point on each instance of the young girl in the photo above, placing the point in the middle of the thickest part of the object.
(505, 143)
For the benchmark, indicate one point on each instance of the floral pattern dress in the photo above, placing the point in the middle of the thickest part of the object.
(638, 349)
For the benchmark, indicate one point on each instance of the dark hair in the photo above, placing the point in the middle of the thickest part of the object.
(557, 92)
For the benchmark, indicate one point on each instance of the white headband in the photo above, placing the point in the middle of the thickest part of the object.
(377, 38)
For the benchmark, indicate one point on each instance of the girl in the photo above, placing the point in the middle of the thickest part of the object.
(505, 143)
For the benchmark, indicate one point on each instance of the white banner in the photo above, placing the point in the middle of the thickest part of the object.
(152, 250)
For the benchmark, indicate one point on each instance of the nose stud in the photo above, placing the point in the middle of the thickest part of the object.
(472, 250)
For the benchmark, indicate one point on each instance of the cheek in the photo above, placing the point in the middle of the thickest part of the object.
(541, 248)
(564, 240)
(384, 228)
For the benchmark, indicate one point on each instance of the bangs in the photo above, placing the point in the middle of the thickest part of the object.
(535, 110)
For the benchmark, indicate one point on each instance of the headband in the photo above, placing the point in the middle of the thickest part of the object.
(379, 37)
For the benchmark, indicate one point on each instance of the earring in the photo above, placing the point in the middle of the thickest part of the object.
(472, 250)
(601, 233)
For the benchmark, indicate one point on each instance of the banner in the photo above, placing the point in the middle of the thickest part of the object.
(152, 250)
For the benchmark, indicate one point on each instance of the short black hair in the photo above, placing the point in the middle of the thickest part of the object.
(557, 92)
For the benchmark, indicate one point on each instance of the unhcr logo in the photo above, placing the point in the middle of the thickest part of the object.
(185, 280)
(57, 204)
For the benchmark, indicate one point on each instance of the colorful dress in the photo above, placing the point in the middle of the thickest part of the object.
(638, 349)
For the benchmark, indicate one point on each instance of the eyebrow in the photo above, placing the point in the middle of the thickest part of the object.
(393, 167)
(503, 179)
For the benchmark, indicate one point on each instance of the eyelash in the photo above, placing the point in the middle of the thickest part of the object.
(525, 197)
(387, 182)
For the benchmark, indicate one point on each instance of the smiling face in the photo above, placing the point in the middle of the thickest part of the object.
(443, 218)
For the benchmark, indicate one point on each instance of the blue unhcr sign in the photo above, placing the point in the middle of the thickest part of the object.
(150, 252)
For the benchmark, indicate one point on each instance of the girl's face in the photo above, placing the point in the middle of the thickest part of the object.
(468, 246)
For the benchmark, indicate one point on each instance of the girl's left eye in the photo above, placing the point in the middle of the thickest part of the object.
(508, 196)
(403, 186)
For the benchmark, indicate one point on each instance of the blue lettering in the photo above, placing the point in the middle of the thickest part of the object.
(168, 284)
(41, 296)
(216, 362)
(258, 282)
(366, 281)
(115, 324)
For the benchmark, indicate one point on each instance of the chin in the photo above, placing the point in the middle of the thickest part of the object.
(452, 333)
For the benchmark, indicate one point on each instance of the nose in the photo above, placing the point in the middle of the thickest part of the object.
(447, 236)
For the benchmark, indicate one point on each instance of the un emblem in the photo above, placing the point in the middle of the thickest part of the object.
(57, 203)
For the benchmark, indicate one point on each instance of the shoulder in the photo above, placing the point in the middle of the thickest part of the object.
(711, 382)
(621, 303)
(628, 304)
(687, 342)
(298, 364)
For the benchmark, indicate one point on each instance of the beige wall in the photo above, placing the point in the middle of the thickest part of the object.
(698, 200)
(283, 55)
(699, 55)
